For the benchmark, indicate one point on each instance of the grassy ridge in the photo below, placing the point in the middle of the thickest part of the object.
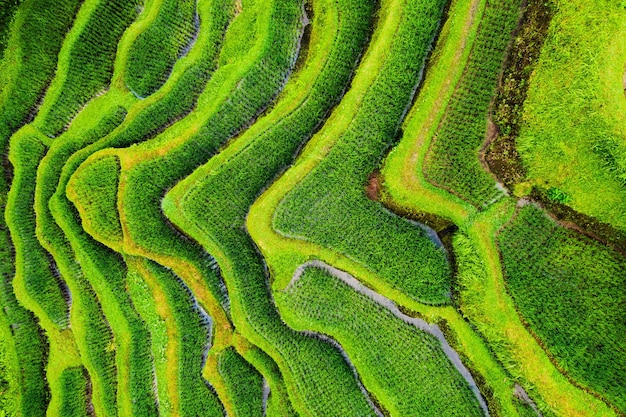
(568, 289)
(106, 272)
(98, 262)
(95, 186)
(259, 75)
(257, 78)
(25, 71)
(32, 63)
(150, 305)
(175, 100)
(30, 59)
(329, 206)
(156, 50)
(94, 339)
(7, 11)
(192, 264)
(231, 182)
(492, 311)
(34, 269)
(453, 160)
(75, 384)
(196, 397)
(132, 356)
(25, 347)
(93, 334)
(278, 403)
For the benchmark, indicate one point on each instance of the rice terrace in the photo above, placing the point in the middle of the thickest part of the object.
(334, 208)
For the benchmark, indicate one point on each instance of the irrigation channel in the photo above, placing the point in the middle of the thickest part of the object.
(433, 329)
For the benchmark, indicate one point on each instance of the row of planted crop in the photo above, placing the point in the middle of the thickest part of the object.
(192, 395)
(328, 206)
(402, 364)
(99, 321)
(90, 327)
(158, 48)
(547, 264)
(282, 255)
(96, 256)
(453, 161)
(140, 137)
(269, 92)
(200, 273)
(233, 180)
(233, 185)
(28, 65)
(338, 357)
(85, 65)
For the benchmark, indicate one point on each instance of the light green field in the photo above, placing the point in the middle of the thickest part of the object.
(573, 135)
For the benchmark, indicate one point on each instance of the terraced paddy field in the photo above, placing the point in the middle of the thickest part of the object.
(313, 208)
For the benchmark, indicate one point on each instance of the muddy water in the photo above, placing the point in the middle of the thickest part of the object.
(266, 395)
(452, 355)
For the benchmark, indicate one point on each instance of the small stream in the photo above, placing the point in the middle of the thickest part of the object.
(433, 329)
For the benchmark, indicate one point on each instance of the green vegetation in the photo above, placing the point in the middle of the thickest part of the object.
(162, 334)
(568, 290)
(243, 382)
(238, 175)
(574, 118)
(481, 294)
(156, 50)
(402, 366)
(453, 160)
(94, 336)
(24, 350)
(184, 184)
(96, 189)
(30, 59)
(28, 64)
(87, 67)
(196, 398)
(7, 376)
(329, 206)
(33, 266)
(259, 76)
(75, 384)
(7, 11)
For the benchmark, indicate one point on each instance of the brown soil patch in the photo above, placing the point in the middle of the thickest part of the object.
(490, 137)
(492, 132)
(374, 185)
